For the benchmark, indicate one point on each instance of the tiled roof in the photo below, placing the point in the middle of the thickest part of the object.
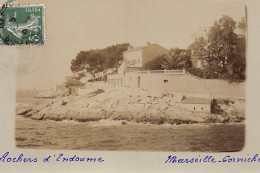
(135, 49)
(196, 100)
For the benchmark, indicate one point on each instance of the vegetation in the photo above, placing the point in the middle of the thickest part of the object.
(225, 50)
(222, 53)
(72, 81)
(98, 60)
(176, 59)
(199, 48)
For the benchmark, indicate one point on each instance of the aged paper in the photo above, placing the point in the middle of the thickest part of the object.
(129, 86)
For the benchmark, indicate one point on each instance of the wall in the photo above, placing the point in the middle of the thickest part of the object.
(132, 69)
(225, 89)
(152, 51)
(183, 83)
(206, 107)
(121, 68)
(131, 80)
(167, 83)
(133, 56)
(116, 80)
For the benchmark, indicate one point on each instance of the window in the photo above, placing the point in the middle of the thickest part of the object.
(165, 81)
(201, 108)
(194, 108)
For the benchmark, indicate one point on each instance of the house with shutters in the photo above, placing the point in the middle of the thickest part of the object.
(133, 61)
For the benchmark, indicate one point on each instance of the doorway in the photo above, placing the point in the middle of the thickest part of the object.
(138, 84)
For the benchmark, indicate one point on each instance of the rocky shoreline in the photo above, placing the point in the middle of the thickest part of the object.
(122, 104)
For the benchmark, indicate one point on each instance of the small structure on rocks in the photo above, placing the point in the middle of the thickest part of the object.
(197, 104)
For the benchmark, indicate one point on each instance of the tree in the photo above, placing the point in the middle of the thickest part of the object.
(73, 81)
(90, 61)
(114, 55)
(176, 59)
(199, 48)
(240, 64)
(156, 63)
(222, 48)
(98, 60)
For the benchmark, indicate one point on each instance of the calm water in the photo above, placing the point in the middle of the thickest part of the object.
(111, 135)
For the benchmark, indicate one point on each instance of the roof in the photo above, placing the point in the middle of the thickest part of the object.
(135, 49)
(196, 100)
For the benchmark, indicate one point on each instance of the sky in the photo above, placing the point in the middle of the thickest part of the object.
(72, 26)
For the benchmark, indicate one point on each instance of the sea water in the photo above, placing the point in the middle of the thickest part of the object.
(112, 135)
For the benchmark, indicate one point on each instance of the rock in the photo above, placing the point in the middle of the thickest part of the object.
(22, 111)
(133, 100)
(51, 117)
(37, 116)
(210, 120)
(63, 103)
(46, 94)
(147, 106)
(163, 106)
(220, 118)
(122, 104)
(94, 105)
(30, 113)
(218, 121)
(96, 92)
(226, 120)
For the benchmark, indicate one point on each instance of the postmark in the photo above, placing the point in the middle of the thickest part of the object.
(22, 25)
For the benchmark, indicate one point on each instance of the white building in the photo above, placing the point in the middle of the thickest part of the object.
(197, 104)
(135, 58)
(133, 61)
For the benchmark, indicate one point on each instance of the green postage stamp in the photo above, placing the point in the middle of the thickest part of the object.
(22, 25)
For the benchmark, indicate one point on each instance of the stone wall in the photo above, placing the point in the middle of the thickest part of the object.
(183, 83)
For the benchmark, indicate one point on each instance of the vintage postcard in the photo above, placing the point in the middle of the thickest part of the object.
(158, 77)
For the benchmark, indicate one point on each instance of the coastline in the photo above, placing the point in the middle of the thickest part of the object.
(121, 104)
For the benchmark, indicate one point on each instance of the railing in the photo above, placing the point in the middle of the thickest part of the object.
(181, 71)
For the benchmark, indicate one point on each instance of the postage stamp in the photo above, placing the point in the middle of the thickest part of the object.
(22, 25)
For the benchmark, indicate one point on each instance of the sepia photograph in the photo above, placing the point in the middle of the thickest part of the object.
(130, 76)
